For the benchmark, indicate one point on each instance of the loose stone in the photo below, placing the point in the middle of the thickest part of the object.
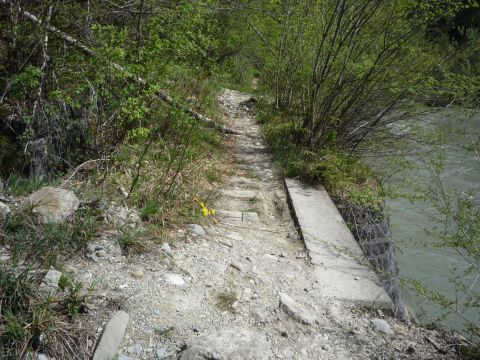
(49, 285)
(162, 353)
(381, 325)
(196, 229)
(138, 274)
(259, 316)
(333, 313)
(124, 357)
(292, 308)
(236, 343)
(237, 265)
(101, 253)
(167, 249)
(174, 279)
(112, 336)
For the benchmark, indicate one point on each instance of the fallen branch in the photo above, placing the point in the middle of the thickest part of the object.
(161, 94)
(86, 165)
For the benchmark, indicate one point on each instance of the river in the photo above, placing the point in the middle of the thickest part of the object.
(418, 258)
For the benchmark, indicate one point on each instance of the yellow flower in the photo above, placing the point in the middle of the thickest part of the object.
(205, 211)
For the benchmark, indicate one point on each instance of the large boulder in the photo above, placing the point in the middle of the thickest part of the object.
(53, 205)
(228, 344)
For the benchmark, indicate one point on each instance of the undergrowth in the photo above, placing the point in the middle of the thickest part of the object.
(343, 175)
(30, 323)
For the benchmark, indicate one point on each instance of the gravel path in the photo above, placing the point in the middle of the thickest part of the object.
(245, 289)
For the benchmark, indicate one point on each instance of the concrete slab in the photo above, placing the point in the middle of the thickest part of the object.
(243, 216)
(240, 193)
(241, 180)
(227, 214)
(342, 269)
(250, 216)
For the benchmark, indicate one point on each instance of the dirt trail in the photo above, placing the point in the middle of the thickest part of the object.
(234, 276)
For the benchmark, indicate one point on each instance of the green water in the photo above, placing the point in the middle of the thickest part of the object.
(418, 259)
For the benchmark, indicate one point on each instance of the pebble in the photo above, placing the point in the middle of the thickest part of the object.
(259, 316)
(138, 274)
(221, 268)
(161, 353)
(137, 349)
(174, 279)
(333, 313)
(101, 253)
(92, 257)
(124, 357)
(196, 229)
(226, 243)
(167, 249)
(160, 330)
(237, 265)
(293, 309)
(381, 325)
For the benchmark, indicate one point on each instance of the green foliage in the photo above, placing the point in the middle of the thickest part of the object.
(29, 323)
(20, 186)
(132, 241)
(46, 243)
(344, 176)
(25, 83)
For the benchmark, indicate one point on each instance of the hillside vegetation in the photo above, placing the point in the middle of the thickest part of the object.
(116, 100)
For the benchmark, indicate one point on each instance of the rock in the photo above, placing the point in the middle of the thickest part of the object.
(92, 257)
(112, 336)
(174, 279)
(137, 349)
(53, 205)
(101, 253)
(226, 243)
(49, 285)
(161, 330)
(231, 344)
(381, 325)
(138, 274)
(221, 268)
(237, 265)
(293, 309)
(167, 249)
(259, 316)
(124, 357)
(333, 313)
(196, 229)
(162, 353)
(4, 211)
(122, 216)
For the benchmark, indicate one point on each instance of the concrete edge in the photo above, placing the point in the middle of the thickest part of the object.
(293, 213)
